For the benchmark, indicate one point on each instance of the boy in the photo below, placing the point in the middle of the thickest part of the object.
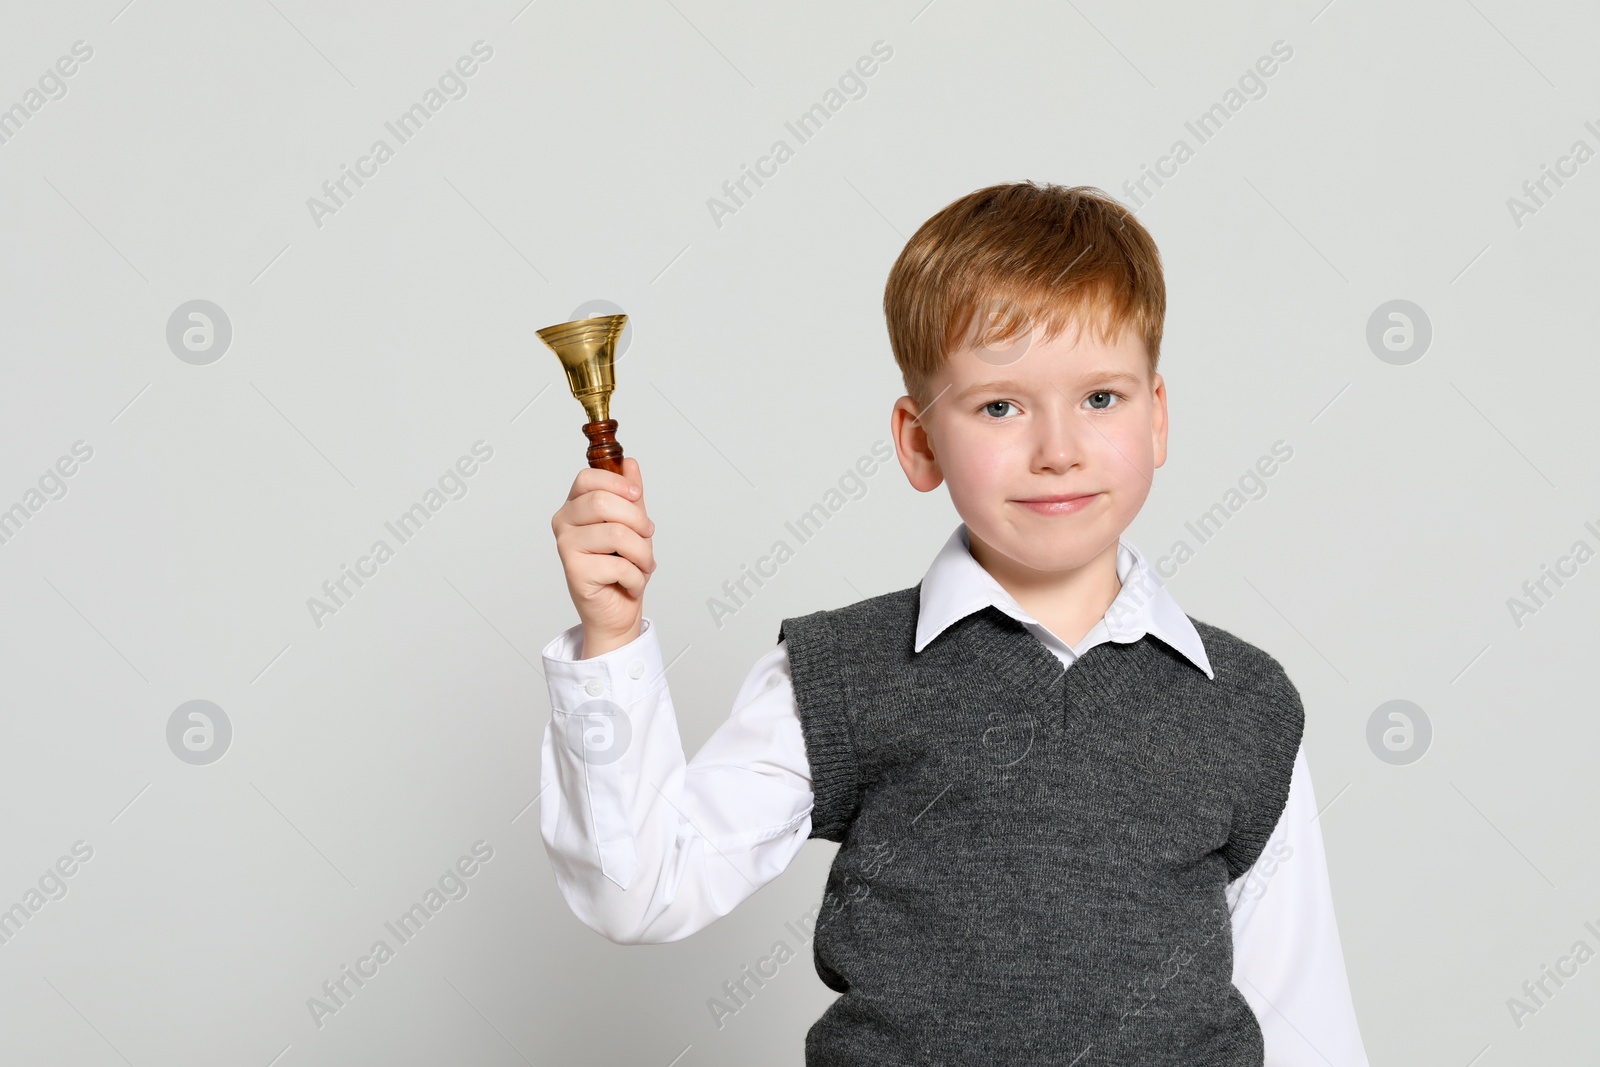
(1075, 823)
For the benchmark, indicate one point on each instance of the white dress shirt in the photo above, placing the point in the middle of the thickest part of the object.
(647, 848)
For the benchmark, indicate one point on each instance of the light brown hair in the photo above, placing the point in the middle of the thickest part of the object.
(1009, 258)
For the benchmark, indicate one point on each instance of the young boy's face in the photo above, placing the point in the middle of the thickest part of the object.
(1013, 426)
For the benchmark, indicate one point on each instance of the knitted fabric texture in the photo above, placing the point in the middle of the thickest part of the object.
(1033, 860)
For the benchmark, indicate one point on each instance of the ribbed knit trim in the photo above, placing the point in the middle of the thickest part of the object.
(835, 772)
(1276, 721)
(1270, 726)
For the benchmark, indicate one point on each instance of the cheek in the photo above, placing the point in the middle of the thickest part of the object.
(978, 466)
(1126, 448)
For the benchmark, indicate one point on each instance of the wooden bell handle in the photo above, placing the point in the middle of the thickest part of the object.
(604, 451)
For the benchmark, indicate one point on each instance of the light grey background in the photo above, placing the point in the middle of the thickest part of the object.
(369, 352)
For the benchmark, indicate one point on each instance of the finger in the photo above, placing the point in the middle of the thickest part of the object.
(590, 479)
(602, 539)
(600, 507)
(630, 470)
(616, 570)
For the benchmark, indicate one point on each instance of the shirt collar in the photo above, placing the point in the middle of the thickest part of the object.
(956, 585)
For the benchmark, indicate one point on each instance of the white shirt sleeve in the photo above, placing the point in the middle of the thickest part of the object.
(645, 847)
(1287, 960)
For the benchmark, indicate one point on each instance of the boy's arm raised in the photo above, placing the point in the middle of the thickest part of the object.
(647, 848)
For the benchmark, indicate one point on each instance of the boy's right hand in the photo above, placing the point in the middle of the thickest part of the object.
(603, 538)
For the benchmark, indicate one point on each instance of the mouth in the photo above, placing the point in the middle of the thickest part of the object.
(1064, 504)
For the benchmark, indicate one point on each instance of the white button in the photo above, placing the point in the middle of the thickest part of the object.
(636, 669)
(593, 687)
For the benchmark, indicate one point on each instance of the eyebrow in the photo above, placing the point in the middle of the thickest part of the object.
(1096, 378)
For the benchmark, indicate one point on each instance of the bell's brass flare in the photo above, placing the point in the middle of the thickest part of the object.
(587, 349)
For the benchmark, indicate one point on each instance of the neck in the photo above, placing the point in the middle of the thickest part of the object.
(1067, 603)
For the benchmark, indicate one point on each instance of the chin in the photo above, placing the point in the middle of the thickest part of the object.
(1062, 553)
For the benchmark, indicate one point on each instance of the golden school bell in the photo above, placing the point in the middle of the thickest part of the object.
(587, 349)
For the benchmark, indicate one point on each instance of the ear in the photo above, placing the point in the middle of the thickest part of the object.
(1158, 419)
(914, 446)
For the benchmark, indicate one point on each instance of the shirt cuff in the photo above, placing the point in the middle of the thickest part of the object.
(625, 675)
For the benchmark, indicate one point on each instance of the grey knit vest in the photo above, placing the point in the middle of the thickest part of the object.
(1032, 860)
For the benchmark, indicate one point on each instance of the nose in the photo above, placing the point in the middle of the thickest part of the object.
(1058, 437)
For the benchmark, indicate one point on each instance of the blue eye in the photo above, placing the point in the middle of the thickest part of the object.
(1097, 407)
(995, 404)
